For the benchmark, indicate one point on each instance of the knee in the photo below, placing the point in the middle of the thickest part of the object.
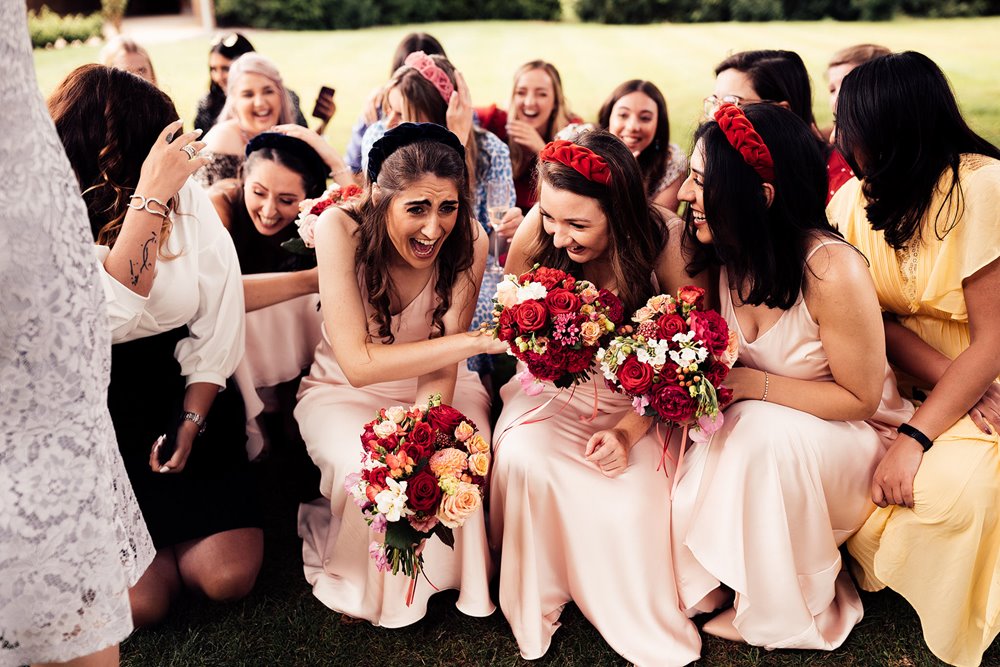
(228, 582)
(150, 604)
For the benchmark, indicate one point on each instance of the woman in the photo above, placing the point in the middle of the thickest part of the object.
(224, 50)
(565, 488)
(775, 77)
(536, 112)
(256, 101)
(842, 62)
(411, 43)
(125, 54)
(636, 113)
(762, 507)
(72, 538)
(430, 89)
(175, 309)
(925, 215)
(399, 274)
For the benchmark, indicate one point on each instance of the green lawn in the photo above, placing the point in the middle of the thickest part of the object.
(281, 623)
(592, 59)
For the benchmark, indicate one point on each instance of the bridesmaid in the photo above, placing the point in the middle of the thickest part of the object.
(762, 507)
(926, 216)
(579, 509)
(399, 275)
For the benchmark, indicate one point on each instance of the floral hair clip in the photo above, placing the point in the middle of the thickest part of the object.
(743, 137)
(584, 161)
(424, 64)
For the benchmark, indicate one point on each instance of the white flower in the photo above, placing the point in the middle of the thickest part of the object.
(392, 501)
(531, 291)
(506, 294)
(396, 413)
(384, 429)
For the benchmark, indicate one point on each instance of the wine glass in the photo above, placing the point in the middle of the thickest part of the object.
(499, 200)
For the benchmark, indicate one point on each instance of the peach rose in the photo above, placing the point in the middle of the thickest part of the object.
(477, 444)
(455, 509)
(506, 294)
(449, 461)
(591, 333)
(732, 351)
(479, 464)
(643, 314)
(464, 431)
(384, 429)
(396, 414)
(589, 295)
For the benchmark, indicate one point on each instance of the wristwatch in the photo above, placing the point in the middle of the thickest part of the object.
(196, 418)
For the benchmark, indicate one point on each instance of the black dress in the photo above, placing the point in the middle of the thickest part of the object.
(216, 491)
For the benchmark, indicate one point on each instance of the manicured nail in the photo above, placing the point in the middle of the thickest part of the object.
(164, 468)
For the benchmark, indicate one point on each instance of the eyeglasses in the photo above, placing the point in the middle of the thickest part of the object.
(713, 102)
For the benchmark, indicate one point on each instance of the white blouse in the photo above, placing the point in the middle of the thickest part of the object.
(201, 287)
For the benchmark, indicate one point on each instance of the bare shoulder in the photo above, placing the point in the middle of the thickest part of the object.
(836, 269)
(223, 193)
(225, 137)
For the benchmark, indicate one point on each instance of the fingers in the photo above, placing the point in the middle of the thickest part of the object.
(878, 495)
(185, 138)
(595, 441)
(980, 421)
(167, 134)
(154, 453)
(176, 462)
(463, 89)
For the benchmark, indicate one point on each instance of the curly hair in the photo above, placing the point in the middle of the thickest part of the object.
(375, 249)
(108, 120)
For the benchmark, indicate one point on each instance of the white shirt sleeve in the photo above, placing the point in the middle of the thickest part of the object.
(125, 307)
(217, 330)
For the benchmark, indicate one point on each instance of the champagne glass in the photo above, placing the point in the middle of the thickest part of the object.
(499, 200)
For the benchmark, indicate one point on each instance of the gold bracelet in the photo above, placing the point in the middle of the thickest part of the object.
(767, 385)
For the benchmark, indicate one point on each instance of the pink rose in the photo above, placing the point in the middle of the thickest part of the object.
(456, 508)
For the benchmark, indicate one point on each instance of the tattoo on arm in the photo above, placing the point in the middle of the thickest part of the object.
(132, 269)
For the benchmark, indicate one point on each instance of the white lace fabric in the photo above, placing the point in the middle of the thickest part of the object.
(72, 539)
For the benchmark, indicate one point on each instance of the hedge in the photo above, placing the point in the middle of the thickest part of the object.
(333, 14)
(46, 27)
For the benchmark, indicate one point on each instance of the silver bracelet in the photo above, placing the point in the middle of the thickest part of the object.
(196, 418)
(767, 385)
(144, 203)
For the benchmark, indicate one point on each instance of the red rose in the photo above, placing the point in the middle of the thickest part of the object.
(505, 327)
(349, 192)
(423, 492)
(725, 396)
(376, 476)
(549, 278)
(711, 329)
(691, 296)
(445, 418)
(673, 403)
(616, 311)
(635, 377)
(530, 316)
(368, 437)
(716, 372)
(321, 206)
(668, 325)
(562, 302)
(420, 441)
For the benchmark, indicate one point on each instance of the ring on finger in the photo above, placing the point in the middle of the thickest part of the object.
(190, 150)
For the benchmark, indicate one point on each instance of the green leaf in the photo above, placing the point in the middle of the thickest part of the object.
(401, 535)
(297, 246)
(445, 534)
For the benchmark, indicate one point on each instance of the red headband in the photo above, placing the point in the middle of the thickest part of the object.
(744, 138)
(585, 161)
(424, 64)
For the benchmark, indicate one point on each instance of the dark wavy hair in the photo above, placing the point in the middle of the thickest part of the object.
(301, 159)
(375, 249)
(637, 231)
(900, 129)
(230, 46)
(762, 247)
(108, 121)
(654, 158)
(776, 76)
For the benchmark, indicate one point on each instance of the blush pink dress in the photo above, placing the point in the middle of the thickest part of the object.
(568, 533)
(335, 538)
(764, 506)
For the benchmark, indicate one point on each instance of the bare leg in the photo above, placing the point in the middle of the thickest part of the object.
(223, 566)
(107, 657)
(156, 589)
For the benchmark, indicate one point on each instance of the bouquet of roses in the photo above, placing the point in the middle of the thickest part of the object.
(673, 362)
(554, 323)
(423, 473)
(309, 211)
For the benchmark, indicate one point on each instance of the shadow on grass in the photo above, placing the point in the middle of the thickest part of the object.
(281, 623)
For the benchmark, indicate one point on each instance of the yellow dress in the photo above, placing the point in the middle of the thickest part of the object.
(943, 555)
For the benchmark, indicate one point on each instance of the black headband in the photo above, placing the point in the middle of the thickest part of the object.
(316, 168)
(404, 135)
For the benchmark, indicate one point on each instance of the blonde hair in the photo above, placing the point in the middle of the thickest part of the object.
(116, 46)
(520, 158)
(254, 63)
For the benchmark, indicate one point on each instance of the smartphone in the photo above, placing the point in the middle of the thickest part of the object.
(324, 102)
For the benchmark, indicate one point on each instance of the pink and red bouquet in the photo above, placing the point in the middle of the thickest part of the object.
(423, 473)
(554, 323)
(673, 361)
(309, 212)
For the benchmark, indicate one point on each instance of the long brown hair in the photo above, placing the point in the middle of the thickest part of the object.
(375, 249)
(654, 158)
(637, 232)
(422, 100)
(108, 120)
(521, 158)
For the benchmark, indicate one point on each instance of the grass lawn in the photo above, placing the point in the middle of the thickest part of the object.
(281, 623)
(592, 60)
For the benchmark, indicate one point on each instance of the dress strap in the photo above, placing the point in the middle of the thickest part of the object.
(830, 242)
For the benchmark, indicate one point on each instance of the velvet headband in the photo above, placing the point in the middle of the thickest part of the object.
(315, 166)
(404, 135)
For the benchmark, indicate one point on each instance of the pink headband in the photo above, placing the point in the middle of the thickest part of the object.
(423, 63)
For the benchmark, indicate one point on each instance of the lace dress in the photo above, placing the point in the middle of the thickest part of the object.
(72, 539)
